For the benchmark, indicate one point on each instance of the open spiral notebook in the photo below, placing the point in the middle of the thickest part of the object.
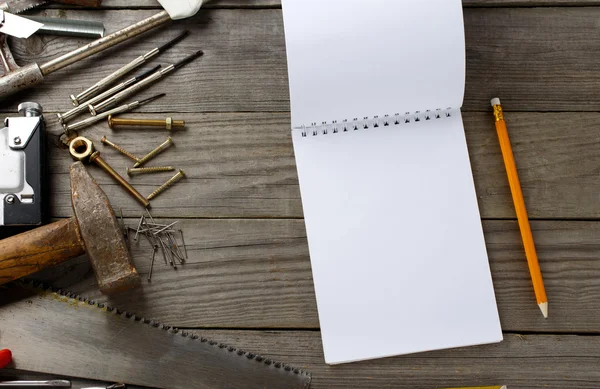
(395, 238)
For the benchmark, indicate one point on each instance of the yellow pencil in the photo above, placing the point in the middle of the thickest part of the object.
(517, 195)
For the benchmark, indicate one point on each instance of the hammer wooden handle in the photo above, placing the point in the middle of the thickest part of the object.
(31, 251)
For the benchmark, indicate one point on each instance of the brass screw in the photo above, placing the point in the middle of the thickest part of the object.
(180, 174)
(162, 147)
(119, 149)
(132, 171)
(167, 123)
(95, 158)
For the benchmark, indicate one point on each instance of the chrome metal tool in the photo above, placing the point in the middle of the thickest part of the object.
(67, 116)
(113, 77)
(22, 167)
(111, 101)
(17, 78)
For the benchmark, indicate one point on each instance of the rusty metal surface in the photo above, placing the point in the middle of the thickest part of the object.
(32, 251)
(8, 61)
(19, 79)
(101, 233)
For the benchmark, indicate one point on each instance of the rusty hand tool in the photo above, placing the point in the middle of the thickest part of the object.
(82, 149)
(94, 229)
(18, 78)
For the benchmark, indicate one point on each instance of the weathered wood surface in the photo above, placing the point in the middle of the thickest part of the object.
(535, 59)
(242, 165)
(544, 361)
(256, 274)
(277, 3)
(241, 212)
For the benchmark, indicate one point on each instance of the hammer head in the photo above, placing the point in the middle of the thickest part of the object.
(101, 234)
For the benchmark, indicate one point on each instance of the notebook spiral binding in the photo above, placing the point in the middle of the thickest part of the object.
(365, 123)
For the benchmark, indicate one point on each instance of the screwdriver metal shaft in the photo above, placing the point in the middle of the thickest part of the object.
(65, 117)
(96, 108)
(123, 108)
(111, 78)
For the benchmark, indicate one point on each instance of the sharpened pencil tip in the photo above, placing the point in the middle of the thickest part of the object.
(544, 309)
(504, 387)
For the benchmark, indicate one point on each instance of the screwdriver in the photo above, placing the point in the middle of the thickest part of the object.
(111, 78)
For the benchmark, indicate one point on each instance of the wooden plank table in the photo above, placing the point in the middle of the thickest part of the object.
(248, 279)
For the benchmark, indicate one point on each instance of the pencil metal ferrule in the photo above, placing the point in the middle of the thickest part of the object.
(498, 113)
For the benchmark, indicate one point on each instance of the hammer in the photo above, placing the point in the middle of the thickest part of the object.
(94, 229)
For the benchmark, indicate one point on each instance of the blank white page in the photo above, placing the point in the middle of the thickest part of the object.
(359, 58)
(396, 246)
(394, 233)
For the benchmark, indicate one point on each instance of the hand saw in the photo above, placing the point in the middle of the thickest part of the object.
(59, 333)
(18, 6)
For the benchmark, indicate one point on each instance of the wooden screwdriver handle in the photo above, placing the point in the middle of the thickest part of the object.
(34, 250)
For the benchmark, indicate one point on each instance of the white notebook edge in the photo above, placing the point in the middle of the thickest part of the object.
(499, 334)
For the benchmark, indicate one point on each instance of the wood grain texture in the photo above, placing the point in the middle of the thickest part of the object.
(242, 165)
(256, 274)
(277, 3)
(545, 361)
(540, 59)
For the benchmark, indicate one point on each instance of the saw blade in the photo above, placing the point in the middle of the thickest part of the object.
(18, 26)
(18, 6)
(62, 334)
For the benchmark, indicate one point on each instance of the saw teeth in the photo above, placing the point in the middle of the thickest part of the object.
(156, 324)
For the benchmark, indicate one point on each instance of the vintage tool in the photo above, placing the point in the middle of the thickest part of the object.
(180, 174)
(167, 123)
(114, 76)
(132, 171)
(99, 107)
(93, 230)
(65, 117)
(69, 27)
(18, 6)
(123, 108)
(126, 153)
(82, 149)
(36, 384)
(96, 341)
(17, 26)
(162, 147)
(18, 78)
(22, 167)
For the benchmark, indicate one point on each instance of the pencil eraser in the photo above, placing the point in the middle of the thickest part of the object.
(495, 101)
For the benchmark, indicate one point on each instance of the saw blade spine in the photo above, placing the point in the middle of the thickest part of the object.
(154, 323)
(19, 6)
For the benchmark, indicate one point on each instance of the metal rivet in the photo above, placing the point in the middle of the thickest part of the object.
(17, 140)
(10, 199)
